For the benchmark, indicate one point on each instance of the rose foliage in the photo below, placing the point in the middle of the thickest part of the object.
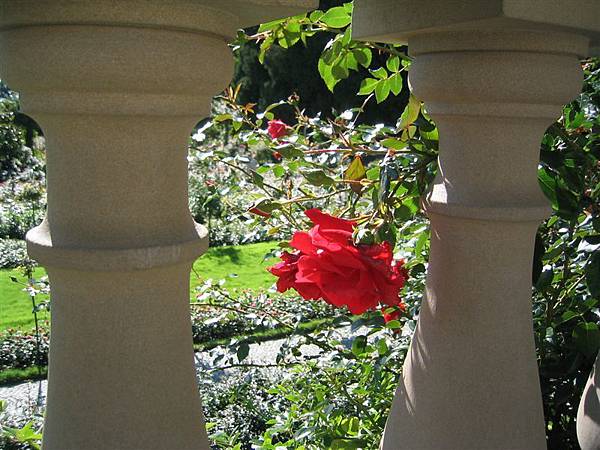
(373, 175)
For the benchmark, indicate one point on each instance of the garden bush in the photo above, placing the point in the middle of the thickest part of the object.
(13, 253)
(22, 206)
(18, 349)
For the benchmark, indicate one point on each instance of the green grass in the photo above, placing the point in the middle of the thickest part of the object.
(15, 305)
(243, 267)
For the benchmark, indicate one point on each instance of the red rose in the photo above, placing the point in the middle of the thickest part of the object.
(328, 265)
(277, 129)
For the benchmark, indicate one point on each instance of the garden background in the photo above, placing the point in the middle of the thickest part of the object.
(354, 142)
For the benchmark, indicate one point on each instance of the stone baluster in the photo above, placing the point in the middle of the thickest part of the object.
(493, 75)
(588, 414)
(117, 88)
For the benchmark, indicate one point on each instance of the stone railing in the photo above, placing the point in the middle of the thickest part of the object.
(117, 87)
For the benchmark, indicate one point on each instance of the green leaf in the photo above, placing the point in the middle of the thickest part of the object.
(410, 114)
(278, 171)
(382, 91)
(393, 143)
(356, 170)
(548, 186)
(359, 344)
(271, 25)
(592, 275)
(290, 151)
(337, 17)
(393, 64)
(393, 325)
(327, 75)
(317, 177)
(373, 173)
(264, 46)
(587, 338)
(222, 118)
(380, 73)
(367, 86)
(396, 83)
(243, 351)
(382, 347)
(347, 444)
(364, 56)
(316, 15)
(257, 179)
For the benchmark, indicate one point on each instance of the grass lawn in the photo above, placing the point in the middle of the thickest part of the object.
(242, 266)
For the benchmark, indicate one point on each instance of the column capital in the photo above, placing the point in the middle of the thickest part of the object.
(397, 21)
(222, 18)
(144, 57)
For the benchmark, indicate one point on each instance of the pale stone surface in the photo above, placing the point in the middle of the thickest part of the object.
(493, 85)
(221, 18)
(588, 415)
(117, 87)
(398, 20)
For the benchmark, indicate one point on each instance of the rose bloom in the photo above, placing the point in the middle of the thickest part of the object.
(328, 265)
(277, 129)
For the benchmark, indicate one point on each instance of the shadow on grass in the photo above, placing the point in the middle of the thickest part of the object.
(232, 253)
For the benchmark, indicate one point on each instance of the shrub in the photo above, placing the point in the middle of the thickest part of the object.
(13, 253)
(18, 349)
(238, 406)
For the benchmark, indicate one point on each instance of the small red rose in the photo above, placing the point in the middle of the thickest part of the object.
(277, 129)
(328, 265)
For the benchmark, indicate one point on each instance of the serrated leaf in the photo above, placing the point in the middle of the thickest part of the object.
(270, 25)
(382, 347)
(380, 73)
(396, 83)
(356, 170)
(592, 275)
(278, 171)
(359, 344)
(393, 143)
(367, 86)
(410, 113)
(382, 91)
(326, 74)
(317, 177)
(393, 64)
(337, 17)
(242, 351)
(587, 338)
(364, 56)
(316, 15)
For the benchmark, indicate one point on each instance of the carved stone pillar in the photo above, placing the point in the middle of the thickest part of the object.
(493, 75)
(588, 414)
(117, 87)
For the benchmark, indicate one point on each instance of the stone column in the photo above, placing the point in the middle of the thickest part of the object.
(493, 75)
(117, 88)
(588, 414)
